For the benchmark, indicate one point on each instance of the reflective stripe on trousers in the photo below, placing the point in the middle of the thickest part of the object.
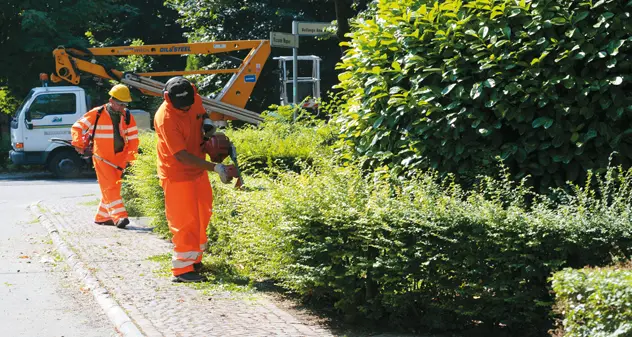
(111, 207)
(184, 259)
(102, 213)
(188, 208)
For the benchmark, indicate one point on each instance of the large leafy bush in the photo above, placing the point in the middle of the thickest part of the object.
(141, 189)
(281, 143)
(423, 254)
(417, 254)
(274, 145)
(594, 302)
(452, 84)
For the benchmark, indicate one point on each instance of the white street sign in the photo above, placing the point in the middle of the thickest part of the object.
(283, 40)
(312, 28)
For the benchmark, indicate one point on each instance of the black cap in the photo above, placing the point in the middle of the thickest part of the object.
(180, 92)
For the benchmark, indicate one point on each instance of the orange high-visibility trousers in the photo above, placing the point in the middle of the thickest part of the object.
(188, 207)
(111, 206)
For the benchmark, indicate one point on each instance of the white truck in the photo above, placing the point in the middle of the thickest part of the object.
(50, 112)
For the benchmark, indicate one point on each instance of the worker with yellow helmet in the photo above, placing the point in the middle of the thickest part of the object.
(109, 133)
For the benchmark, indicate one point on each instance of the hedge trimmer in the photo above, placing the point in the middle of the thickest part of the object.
(69, 143)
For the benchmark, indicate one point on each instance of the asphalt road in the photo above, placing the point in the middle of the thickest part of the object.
(39, 295)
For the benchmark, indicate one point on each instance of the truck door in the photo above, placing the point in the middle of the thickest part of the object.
(17, 124)
(51, 114)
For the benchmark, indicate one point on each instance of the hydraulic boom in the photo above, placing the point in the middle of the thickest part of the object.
(229, 103)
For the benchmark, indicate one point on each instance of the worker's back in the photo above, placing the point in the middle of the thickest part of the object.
(178, 130)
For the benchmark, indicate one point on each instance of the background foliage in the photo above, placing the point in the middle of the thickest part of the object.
(32, 29)
(545, 85)
(594, 302)
(217, 20)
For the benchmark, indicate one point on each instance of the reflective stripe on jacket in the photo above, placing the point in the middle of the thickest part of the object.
(104, 135)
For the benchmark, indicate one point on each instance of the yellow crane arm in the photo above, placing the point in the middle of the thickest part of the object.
(70, 63)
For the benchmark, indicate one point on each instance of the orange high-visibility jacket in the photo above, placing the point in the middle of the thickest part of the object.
(179, 130)
(104, 135)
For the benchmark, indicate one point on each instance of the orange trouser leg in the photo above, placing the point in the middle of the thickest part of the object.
(111, 206)
(102, 213)
(188, 208)
(205, 210)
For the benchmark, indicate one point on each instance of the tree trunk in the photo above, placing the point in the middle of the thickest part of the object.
(343, 14)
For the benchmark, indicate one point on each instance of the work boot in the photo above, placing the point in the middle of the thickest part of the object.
(105, 223)
(197, 267)
(189, 277)
(122, 223)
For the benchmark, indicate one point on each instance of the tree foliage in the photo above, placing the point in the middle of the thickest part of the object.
(545, 85)
(31, 30)
(219, 20)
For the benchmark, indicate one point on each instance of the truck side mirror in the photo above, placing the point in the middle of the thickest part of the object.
(27, 119)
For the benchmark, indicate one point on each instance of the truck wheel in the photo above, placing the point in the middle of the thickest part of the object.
(65, 164)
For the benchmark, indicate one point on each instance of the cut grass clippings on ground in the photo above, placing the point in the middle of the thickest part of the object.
(41, 209)
(164, 260)
(90, 203)
(221, 276)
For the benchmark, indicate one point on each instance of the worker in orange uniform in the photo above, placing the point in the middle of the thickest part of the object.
(182, 169)
(111, 131)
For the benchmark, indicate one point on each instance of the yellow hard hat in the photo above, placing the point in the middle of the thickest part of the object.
(121, 93)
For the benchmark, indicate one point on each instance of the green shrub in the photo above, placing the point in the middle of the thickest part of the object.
(141, 188)
(594, 302)
(420, 254)
(280, 143)
(275, 144)
(416, 253)
(245, 230)
(8, 103)
(452, 84)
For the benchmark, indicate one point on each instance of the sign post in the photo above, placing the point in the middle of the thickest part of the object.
(295, 68)
(285, 40)
(305, 29)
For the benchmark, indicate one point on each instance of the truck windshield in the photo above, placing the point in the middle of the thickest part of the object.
(26, 99)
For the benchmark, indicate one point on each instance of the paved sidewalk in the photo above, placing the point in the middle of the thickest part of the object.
(118, 259)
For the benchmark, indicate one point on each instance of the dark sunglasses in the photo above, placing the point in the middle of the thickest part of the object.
(121, 103)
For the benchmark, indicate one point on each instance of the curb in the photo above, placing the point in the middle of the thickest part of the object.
(122, 322)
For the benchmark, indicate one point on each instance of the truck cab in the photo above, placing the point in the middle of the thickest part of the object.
(50, 112)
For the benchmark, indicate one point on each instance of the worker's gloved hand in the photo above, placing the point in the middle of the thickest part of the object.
(226, 172)
(86, 152)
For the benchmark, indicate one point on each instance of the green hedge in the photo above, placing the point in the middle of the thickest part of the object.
(141, 189)
(420, 254)
(594, 302)
(452, 84)
(416, 254)
(280, 144)
(275, 145)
